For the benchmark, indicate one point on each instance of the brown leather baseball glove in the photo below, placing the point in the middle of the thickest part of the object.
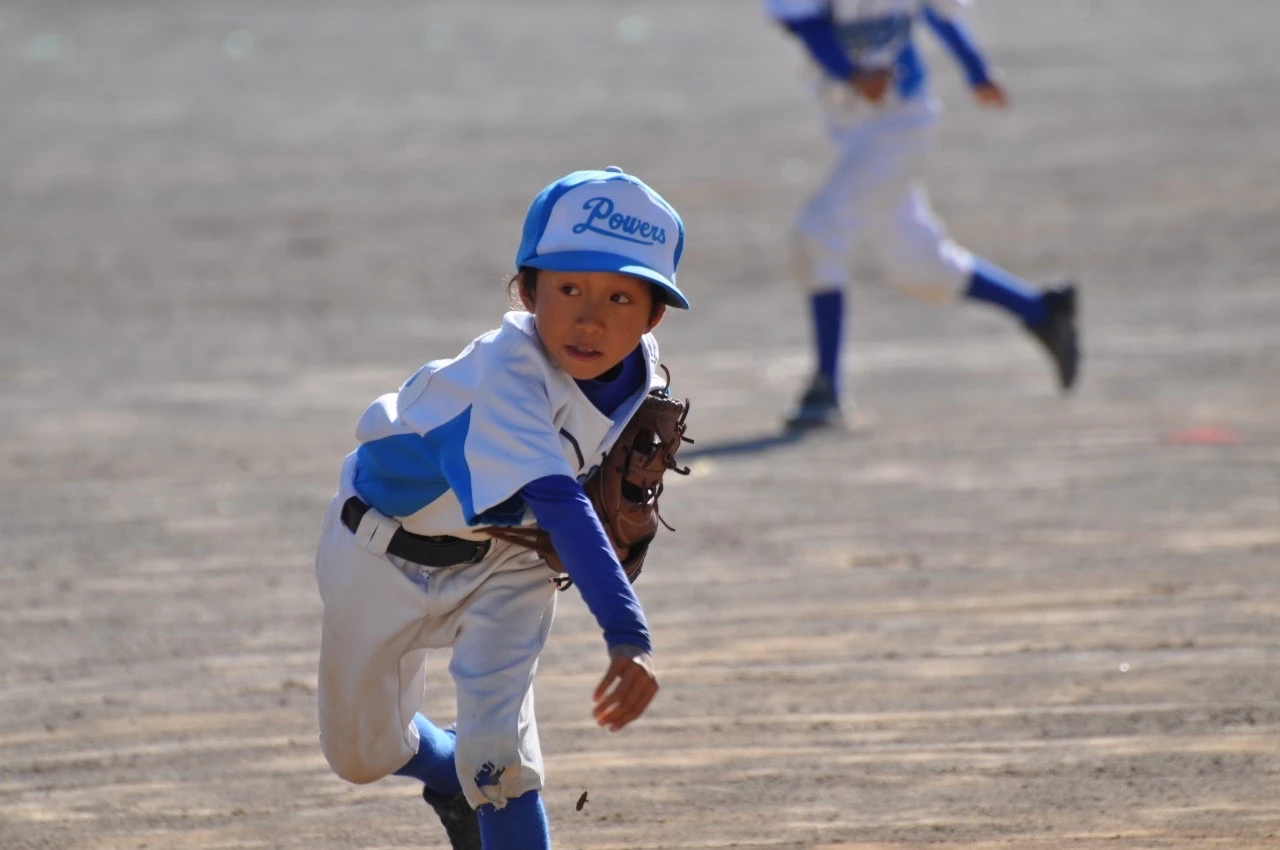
(626, 487)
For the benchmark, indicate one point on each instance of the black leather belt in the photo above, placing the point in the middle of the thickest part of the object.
(442, 551)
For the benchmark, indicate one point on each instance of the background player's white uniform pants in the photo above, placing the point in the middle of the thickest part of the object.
(873, 195)
(378, 626)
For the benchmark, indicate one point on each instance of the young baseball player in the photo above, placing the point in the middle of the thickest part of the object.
(872, 87)
(501, 435)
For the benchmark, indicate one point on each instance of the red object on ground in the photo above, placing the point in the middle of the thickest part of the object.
(1203, 435)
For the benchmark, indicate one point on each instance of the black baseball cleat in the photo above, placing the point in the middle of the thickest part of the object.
(1058, 333)
(819, 407)
(461, 823)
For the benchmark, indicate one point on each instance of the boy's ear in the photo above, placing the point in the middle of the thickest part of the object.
(657, 315)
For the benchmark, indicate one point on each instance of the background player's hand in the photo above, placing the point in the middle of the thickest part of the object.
(871, 85)
(990, 93)
(627, 688)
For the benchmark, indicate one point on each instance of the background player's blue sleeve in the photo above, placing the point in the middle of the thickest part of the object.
(955, 35)
(819, 36)
(564, 511)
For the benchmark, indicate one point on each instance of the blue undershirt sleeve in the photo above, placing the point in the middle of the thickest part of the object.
(819, 37)
(563, 510)
(955, 35)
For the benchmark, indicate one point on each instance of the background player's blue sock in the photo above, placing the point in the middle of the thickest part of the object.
(827, 309)
(996, 286)
(433, 763)
(520, 825)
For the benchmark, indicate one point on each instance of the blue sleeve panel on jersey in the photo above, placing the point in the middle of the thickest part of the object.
(955, 35)
(819, 36)
(563, 510)
(401, 474)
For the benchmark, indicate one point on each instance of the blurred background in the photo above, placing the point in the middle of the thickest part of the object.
(995, 616)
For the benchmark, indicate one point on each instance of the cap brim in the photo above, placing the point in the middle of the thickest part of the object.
(598, 261)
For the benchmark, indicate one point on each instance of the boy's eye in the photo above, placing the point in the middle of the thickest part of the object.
(621, 298)
(568, 289)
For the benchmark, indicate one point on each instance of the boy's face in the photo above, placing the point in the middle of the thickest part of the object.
(590, 321)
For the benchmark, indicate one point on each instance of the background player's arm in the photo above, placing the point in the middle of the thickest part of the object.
(952, 32)
(816, 30)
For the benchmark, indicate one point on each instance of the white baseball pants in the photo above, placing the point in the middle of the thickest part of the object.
(377, 628)
(873, 196)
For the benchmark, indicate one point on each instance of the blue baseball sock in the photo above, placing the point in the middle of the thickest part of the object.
(827, 312)
(994, 285)
(433, 763)
(520, 825)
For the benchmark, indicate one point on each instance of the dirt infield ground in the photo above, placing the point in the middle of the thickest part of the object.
(996, 619)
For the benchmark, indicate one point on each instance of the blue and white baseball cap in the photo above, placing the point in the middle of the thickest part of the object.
(605, 221)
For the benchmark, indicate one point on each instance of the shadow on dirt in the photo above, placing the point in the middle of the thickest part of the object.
(743, 446)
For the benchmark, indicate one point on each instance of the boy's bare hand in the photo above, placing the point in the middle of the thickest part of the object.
(990, 94)
(627, 688)
(872, 85)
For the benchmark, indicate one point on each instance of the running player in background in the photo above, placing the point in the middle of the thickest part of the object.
(872, 86)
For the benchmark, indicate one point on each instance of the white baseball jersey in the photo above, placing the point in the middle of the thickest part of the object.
(478, 427)
(874, 34)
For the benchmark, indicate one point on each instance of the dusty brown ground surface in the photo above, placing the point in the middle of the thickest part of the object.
(997, 619)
